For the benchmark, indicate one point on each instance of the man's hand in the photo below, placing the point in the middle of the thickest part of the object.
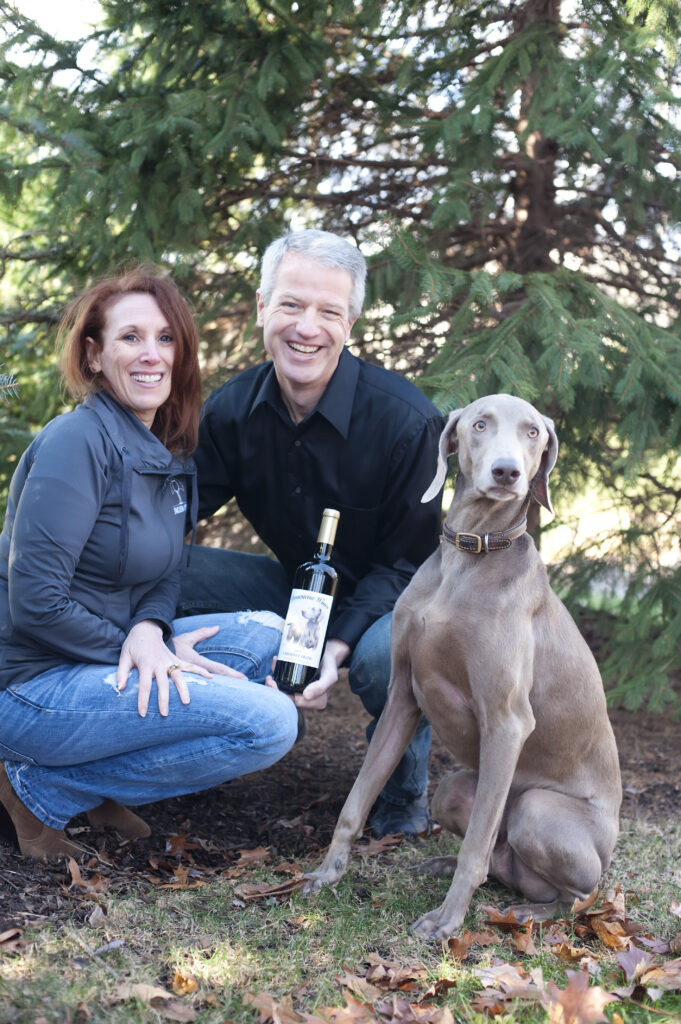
(315, 695)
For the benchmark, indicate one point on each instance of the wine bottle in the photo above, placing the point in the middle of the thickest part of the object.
(307, 618)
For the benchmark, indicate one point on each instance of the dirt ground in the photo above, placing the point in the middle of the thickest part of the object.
(291, 808)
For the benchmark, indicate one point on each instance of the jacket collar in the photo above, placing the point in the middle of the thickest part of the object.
(336, 403)
(132, 439)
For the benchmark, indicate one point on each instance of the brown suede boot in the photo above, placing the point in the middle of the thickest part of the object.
(110, 814)
(34, 838)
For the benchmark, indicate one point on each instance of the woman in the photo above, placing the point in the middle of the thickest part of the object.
(89, 576)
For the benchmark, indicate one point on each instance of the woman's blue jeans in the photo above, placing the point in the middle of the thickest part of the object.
(70, 738)
(233, 580)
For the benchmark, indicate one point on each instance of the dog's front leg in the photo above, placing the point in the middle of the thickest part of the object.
(392, 736)
(499, 751)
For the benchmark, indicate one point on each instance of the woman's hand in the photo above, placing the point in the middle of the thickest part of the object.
(143, 649)
(184, 644)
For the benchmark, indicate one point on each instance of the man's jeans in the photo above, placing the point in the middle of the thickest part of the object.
(70, 738)
(233, 580)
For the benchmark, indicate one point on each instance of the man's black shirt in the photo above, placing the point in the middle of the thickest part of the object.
(368, 449)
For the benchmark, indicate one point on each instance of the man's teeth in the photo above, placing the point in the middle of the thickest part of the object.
(297, 347)
(146, 378)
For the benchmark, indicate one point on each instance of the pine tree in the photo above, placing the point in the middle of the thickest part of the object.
(512, 168)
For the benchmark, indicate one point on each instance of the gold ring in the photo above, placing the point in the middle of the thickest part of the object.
(171, 668)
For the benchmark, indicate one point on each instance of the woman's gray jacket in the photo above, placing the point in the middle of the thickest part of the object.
(92, 540)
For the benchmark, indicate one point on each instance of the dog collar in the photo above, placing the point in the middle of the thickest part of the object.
(478, 544)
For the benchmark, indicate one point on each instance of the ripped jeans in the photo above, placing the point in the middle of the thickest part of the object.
(70, 738)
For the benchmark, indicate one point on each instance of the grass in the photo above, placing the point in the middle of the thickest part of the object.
(215, 948)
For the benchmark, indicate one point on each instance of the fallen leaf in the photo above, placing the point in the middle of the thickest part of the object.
(578, 1002)
(569, 953)
(256, 856)
(611, 933)
(580, 905)
(652, 943)
(360, 986)
(374, 847)
(184, 984)
(288, 868)
(11, 941)
(457, 947)
(675, 908)
(522, 939)
(96, 883)
(634, 962)
(389, 974)
(666, 976)
(506, 922)
(139, 990)
(179, 845)
(279, 891)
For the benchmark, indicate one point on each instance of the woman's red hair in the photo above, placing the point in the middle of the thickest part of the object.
(177, 421)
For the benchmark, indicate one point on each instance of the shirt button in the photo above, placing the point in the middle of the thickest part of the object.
(297, 443)
(297, 490)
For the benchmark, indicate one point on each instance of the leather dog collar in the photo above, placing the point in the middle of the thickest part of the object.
(478, 544)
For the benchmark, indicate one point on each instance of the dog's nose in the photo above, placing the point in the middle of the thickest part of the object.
(505, 472)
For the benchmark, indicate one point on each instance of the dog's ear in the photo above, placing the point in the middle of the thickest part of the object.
(448, 444)
(539, 487)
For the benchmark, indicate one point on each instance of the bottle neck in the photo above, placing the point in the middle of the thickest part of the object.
(324, 550)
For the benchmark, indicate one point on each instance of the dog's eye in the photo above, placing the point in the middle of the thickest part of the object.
(479, 426)
(533, 432)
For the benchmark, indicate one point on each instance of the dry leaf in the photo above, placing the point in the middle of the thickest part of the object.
(354, 1012)
(666, 976)
(523, 941)
(12, 941)
(675, 908)
(634, 962)
(568, 953)
(580, 905)
(611, 933)
(179, 845)
(256, 856)
(376, 846)
(139, 990)
(457, 947)
(184, 984)
(390, 974)
(579, 1002)
(506, 922)
(360, 986)
(279, 891)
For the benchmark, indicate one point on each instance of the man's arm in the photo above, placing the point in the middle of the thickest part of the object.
(407, 534)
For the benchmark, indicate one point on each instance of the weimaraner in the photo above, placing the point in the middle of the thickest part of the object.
(484, 648)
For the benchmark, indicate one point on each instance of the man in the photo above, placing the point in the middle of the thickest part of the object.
(317, 427)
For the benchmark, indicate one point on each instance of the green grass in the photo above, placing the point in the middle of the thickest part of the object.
(301, 947)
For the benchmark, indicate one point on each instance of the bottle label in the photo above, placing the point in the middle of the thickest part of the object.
(305, 628)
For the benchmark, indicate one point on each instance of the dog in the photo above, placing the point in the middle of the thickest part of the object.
(484, 648)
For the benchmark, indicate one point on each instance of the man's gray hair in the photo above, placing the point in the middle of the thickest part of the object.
(324, 247)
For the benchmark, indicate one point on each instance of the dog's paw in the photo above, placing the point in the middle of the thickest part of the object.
(434, 926)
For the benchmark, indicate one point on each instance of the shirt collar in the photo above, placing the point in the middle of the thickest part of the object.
(336, 403)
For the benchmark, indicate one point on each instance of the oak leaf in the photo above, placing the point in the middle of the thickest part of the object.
(579, 1002)
(458, 946)
(505, 921)
(278, 892)
(374, 847)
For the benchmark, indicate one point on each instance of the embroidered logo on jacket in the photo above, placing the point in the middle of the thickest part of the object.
(177, 491)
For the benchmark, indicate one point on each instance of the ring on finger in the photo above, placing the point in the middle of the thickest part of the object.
(171, 668)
